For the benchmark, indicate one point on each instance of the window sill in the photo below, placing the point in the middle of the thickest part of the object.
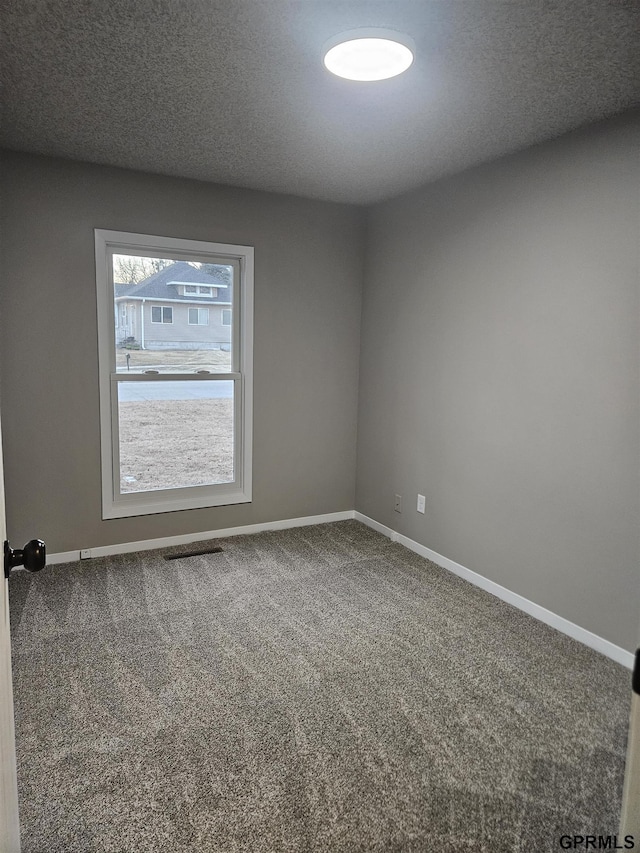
(153, 503)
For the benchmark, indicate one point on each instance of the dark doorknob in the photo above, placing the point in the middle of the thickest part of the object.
(33, 557)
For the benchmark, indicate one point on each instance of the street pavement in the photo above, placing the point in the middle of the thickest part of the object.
(134, 392)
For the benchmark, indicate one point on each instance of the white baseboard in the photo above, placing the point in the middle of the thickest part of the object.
(187, 538)
(584, 636)
(599, 644)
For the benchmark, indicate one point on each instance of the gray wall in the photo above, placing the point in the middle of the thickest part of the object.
(500, 373)
(307, 316)
(499, 364)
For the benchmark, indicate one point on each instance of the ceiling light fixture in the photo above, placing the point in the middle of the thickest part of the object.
(369, 54)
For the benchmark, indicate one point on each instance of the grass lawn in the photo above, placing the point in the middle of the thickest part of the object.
(167, 444)
(173, 361)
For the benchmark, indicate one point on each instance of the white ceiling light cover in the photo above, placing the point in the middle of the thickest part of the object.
(369, 54)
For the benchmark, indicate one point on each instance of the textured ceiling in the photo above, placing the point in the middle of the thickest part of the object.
(234, 91)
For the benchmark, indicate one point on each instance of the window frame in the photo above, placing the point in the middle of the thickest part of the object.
(222, 313)
(191, 308)
(162, 309)
(116, 504)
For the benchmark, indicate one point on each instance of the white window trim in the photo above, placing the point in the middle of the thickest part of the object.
(120, 505)
(183, 301)
(162, 321)
(184, 285)
(194, 308)
(222, 322)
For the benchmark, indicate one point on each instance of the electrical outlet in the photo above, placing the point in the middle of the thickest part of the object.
(420, 506)
(398, 503)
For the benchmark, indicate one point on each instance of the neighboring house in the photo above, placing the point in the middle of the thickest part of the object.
(180, 307)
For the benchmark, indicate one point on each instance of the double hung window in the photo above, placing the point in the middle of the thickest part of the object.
(161, 314)
(198, 316)
(175, 389)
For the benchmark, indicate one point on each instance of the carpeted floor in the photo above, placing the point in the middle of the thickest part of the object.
(309, 690)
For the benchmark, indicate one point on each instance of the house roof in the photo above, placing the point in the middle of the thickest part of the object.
(164, 285)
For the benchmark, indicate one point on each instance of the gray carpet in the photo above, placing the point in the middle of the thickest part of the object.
(316, 689)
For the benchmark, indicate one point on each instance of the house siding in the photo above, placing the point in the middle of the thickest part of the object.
(177, 335)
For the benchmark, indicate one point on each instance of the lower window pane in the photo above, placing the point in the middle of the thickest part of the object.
(175, 434)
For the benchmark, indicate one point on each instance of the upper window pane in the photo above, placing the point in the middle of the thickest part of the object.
(157, 324)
